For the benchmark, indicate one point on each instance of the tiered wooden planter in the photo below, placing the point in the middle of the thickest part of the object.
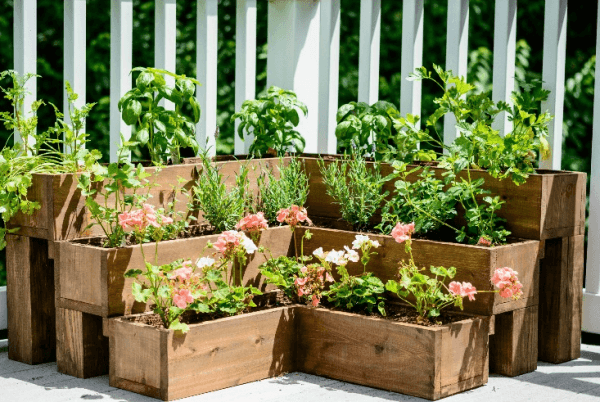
(429, 362)
(549, 207)
(30, 253)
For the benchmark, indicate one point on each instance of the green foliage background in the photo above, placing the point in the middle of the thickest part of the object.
(579, 69)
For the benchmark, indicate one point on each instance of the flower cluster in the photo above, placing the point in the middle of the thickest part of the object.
(311, 282)
(402, 232)
(230, 241)
(293, 216)
(253, 223)
(484, 241)
(337, 257)
(138, 220)
(362, 241)
(465, 289)
(506, 280)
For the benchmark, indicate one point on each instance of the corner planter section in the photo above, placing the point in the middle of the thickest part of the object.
(473, 264)
(90, 287)
(430, 362)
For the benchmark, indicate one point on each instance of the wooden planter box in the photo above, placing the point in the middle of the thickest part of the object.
(90, 279)
(421, 361)
(473, 264)
(549, 205)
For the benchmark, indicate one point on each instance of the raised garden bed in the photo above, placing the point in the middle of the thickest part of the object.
(429, 362)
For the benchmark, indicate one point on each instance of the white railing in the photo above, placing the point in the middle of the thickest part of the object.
(303, 55)
(3, 315)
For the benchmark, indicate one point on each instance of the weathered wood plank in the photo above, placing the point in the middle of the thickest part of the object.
(81, 348)
(513, 347)
(30, 300)
(561, 283)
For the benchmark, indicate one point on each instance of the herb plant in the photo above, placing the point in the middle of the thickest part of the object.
(291, 188)
(164, 132)
(221, 207)
(372, 129)
(356, 187)
(272, 119)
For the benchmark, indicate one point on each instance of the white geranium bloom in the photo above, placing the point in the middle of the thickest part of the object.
(374, 243)
(336, 257)
(319, 253)
(204, 262)
(351, 255)
(360, 240)
(248, 244)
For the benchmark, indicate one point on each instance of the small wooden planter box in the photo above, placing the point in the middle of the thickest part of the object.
(549, 205)
(473, 264)
(428, 362)
(90, 279)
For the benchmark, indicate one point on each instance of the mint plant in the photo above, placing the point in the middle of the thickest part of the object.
(424, 201)
(164, 132)
(272, 119)
(291, 188)
(356, 187)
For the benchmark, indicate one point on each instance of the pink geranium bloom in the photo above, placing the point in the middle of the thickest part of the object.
(182, 298)
(484, 241)
(328, 277)
(293, 216)
(253, 223)
(506, 280)
(227, 241)
(469, 290)
(455, 288)
(300, 292)
(304, 269)
(402, 232)
(184, 273)
(300, 281)
(315, 300)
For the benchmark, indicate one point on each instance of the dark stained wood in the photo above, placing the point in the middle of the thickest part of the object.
(212, 355)
(91, 278)
(513, 347)
(30, 300)
(430, 362)
(474, 264)
(561, 283)
(82, 350)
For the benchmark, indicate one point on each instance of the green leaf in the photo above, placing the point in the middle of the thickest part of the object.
(131, 112)
(195, 108)
(176, 325)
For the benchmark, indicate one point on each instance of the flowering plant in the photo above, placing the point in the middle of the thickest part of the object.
(429, 295)
(293, 216)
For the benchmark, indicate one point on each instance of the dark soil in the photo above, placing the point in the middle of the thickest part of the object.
(395, 312)
(193, 231)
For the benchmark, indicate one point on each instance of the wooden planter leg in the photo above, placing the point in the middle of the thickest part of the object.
(561, 283)
(81, 348)
(513, 347)
(30, 300)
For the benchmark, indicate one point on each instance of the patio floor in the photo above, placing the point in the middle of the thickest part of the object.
(578, 380)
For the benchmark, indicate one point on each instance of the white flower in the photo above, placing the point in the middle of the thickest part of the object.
(204, 262)
(336, 257)
(360, 240)
(351, 255)
(375, 243)
(248, 244)
(319, 252)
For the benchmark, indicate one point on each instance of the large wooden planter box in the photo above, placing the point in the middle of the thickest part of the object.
(430, 362)
(550, 204)
(474, 264)
(90, 278)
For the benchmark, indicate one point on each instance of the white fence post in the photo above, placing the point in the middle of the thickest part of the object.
(457, 53)
(293, 57)
(553, 75)
(412, 56)
(25, 50)
(368, 51)
(121, 30)
(591, 296)
(329, 75)
(3, 315)
(245, 64)
(505, 40)
(75, 47)
(206, 62)
(165, 46)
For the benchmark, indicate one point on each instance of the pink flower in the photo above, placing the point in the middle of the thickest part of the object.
(227, 241)
(166, 220)
(304, 270)
(506, 280)
(484, 241)
(293, 215)
(300, 281)
(455, 288)
(184, 273)
(253, 223)
(402, 232)
(140, 219)
(469, 290)
(300, 292)
(328, 277)
(315, 300)
(182, 298)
